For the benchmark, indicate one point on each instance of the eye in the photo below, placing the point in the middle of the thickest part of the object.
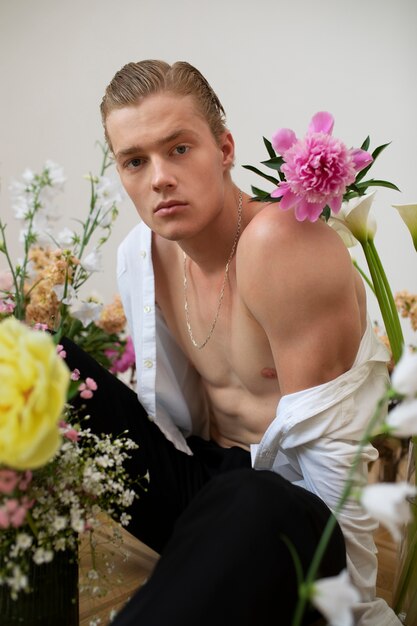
(181, 149)
(134, 164)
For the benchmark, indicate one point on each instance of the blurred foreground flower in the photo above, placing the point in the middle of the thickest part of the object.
(404, 376)
(33, 390)
(334, 598)
(388, 504)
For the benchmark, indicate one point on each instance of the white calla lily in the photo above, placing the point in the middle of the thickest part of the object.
(402, 420)
(354, 216)
(334, 598)
(404, 376)
(408, 212)
(387, 503)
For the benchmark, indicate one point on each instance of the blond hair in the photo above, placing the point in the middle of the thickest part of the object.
(135, 81)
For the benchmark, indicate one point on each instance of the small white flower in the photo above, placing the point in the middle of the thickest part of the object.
(55, 173)
(43, 556)
(402, 420)
(87, 312)
(23, 541)
(404, 376)
(65, 237)
(334, 598)
(28, 176)
(109, 192)
(59, 523)
(93, 262)
(70, 298)
(387, 503)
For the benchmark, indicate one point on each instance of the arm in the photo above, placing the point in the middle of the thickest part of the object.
(297, 280)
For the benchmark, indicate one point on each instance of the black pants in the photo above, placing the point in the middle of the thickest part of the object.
(217, 523)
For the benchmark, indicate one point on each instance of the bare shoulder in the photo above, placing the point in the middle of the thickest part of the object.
(276, 247)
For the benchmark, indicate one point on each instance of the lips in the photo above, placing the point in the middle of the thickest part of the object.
(169, 206)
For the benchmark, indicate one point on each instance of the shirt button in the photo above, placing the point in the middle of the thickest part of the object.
(143, 253)
(147, 308)
(151, 418)
(148, 363)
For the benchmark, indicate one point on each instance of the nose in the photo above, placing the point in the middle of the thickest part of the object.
(162, 175)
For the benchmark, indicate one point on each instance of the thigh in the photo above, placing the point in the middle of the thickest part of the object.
(174, 477)
(227, 558)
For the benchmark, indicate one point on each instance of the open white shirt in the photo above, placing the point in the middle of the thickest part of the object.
(313, 438)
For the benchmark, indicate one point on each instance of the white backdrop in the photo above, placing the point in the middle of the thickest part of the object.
(273, 63)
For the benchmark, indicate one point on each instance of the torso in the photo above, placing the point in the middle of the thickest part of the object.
(236, 366)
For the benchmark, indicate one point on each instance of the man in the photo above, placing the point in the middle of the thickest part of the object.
(235, 309)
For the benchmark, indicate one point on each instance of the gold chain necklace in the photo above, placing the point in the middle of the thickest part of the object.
(226, 274)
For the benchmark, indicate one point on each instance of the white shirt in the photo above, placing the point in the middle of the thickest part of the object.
(311, 441)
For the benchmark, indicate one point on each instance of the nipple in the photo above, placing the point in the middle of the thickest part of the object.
(269, 372)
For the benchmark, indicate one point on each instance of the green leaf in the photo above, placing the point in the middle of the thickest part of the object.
(377, 183)
(366, 143)
(274, 163)
(271, 179)
(268, 146)
(260, 194)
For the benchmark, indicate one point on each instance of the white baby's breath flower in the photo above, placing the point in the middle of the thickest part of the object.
(387, 503)
(402, 420)
(42, 556)
(23, 541)
(59, 523)
(334, 597)
(404, 376)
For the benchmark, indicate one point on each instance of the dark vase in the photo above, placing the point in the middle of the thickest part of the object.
(53, 600)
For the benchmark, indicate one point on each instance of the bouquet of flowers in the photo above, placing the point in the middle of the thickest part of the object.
(57, 477)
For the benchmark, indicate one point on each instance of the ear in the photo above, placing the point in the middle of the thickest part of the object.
(227, 146)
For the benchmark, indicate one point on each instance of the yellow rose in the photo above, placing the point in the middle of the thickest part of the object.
(33, 390)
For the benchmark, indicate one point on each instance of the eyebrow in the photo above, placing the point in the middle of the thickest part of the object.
(160, 142)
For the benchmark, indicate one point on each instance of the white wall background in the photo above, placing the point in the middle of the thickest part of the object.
(273, 63)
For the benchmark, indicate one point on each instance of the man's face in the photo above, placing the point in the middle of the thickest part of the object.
(170, 164)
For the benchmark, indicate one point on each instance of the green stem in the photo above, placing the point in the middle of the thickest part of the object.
(383, 302)
(364, 276)
(390, 297)
(331, 523)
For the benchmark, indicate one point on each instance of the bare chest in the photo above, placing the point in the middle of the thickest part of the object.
(236, 359)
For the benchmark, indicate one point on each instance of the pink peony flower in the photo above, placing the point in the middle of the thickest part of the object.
(120, 364)
(317, 168)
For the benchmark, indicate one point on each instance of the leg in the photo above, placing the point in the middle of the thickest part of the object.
(226, 561)
(174, 476)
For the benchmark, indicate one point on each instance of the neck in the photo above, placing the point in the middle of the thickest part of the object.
(211, 248)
